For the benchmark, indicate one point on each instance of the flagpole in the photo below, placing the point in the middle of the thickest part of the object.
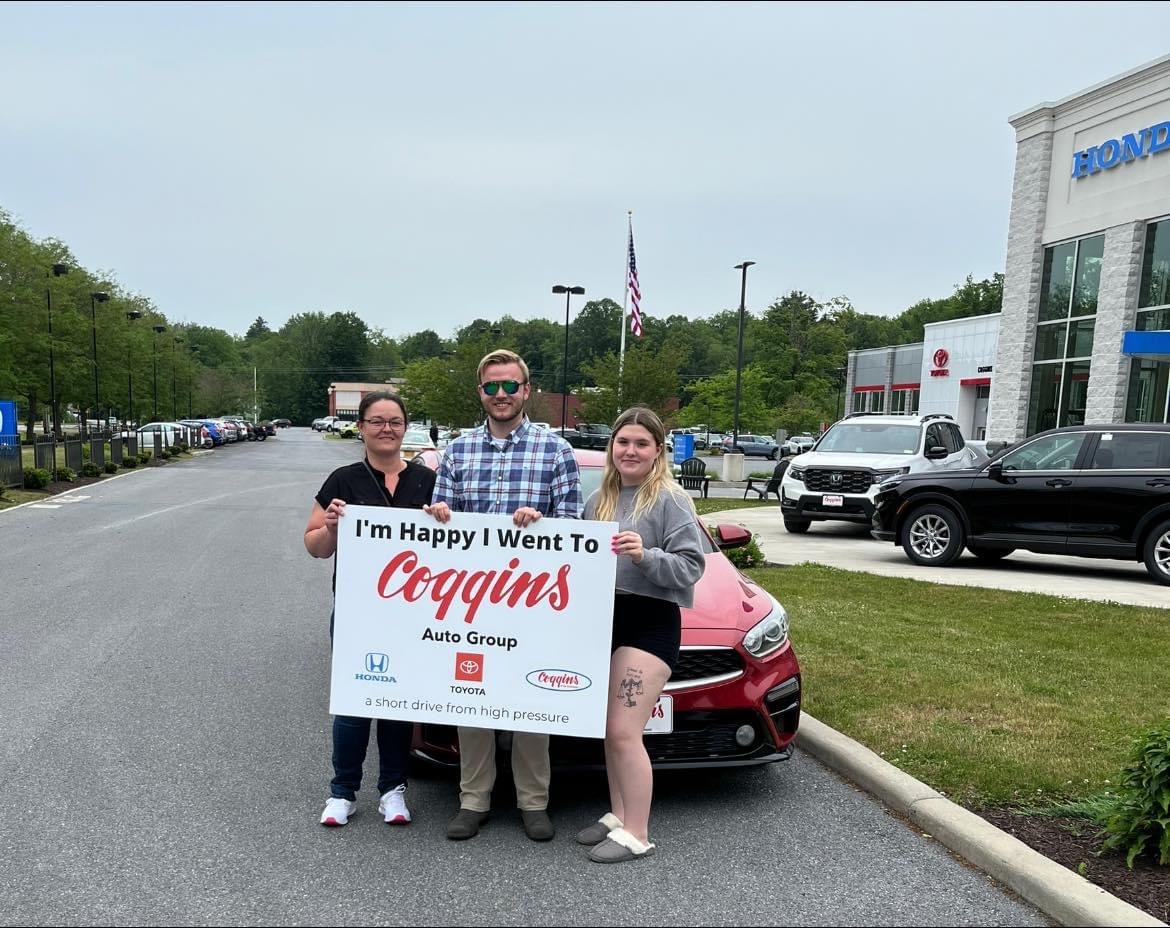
(625, 298)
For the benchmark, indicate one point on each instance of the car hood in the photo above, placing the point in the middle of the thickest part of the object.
(725, 600)
(850, 460)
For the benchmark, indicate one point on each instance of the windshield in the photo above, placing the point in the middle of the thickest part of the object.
(871, 439)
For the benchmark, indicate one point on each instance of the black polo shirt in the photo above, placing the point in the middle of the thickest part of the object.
(362, 484)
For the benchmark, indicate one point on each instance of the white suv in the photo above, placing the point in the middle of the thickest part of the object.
(840, 478)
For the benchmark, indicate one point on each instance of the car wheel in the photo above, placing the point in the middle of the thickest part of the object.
(1157, 553)
(737, 450)
(989, 554)
(797, 526)
(772, 455)
(933, 535)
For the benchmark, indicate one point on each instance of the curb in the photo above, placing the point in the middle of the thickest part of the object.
(1054, 889)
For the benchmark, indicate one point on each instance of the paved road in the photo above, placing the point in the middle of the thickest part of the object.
(164, 673)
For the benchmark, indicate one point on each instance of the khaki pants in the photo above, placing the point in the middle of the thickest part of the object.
(477, 769)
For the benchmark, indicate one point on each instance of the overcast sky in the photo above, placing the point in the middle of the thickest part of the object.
(423, 165)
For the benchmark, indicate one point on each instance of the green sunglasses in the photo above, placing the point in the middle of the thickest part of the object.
(491, 388)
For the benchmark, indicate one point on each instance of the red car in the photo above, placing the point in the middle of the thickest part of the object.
(735, 699)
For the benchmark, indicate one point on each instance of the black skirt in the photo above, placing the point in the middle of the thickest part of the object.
(649, 624)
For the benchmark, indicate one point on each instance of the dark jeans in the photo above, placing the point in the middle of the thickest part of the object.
(351, 736)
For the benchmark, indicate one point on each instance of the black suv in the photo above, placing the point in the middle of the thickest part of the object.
(1091, 491)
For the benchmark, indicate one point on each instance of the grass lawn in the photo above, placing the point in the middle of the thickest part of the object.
(16, 497)
(989, 696)
(715, 504)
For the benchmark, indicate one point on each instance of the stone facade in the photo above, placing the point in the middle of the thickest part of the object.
(1121, 272)
(1007, 417)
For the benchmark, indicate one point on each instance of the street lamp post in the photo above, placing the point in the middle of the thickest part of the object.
(841, 377)
(158, 328)
(175, 379)
(567, 291)
(58, 270)
(131, 315)
(739, 354)
(94, 300)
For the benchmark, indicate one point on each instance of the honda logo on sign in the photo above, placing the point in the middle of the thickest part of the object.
(377, 662)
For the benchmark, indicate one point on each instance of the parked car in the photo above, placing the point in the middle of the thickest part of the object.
(588, 435)
(415, 441)
(798, 444)
(1088, 491)
(209, 435)
(282, 423)
(839, 479)
(752, 445)
(323, 423)
(172, 434)
(736, 695)
(344, 426)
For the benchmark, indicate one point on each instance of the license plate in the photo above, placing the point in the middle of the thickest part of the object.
(661, 721)
(832, 500)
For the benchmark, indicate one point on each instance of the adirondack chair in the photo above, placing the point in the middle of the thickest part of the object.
(773, 484)
(693, 475)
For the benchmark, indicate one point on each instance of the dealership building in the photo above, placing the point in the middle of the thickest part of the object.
(1084, 335)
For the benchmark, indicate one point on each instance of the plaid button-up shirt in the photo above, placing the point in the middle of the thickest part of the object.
(531, 467)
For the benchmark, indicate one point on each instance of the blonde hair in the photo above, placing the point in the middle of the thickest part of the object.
(501, 356)
(659, 481)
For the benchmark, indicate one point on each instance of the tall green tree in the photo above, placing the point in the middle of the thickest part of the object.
(647, 379)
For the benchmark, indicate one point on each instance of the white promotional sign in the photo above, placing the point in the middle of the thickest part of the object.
(473, 622)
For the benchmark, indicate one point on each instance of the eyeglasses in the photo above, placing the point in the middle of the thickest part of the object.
(491, 388)
(378, 423)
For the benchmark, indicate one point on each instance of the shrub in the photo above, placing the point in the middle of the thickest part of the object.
(85, 453)
(37, 478)
(89, 469)
(177, 450)
(111, 468)
(183, 447)
(164, 454)
(1139, 822)
(144, 457)
(129, 462)
(66, 474)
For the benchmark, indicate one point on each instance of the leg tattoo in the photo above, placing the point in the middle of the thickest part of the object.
(631, 686)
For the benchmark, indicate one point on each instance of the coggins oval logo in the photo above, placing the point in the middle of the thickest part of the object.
(558, 679)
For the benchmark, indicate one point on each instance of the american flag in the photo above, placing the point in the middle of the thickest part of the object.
(635, 292)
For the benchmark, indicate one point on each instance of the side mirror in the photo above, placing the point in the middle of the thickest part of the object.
(936, 451)
(995, 470)
(729, 536)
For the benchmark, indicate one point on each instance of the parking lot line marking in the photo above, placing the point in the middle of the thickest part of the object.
(45, 506)
(74, 498)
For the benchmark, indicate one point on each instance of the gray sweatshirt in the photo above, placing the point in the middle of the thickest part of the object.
(673, 555)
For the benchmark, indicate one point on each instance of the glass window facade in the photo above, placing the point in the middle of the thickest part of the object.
(1148, 400)
(1064, 333)
(904, 402)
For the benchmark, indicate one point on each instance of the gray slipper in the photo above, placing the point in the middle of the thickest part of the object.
(592, 835)
(621, 846)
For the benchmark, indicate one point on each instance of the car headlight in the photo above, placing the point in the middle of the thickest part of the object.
(879, 476)
(769, 634)
(797, 474)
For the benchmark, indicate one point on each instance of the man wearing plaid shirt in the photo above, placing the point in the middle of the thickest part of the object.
(507, 465)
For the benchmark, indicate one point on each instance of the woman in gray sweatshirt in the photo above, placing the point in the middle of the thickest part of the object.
(660, 558)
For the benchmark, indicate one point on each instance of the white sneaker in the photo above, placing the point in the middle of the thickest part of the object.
(338, 810)
(392, 806)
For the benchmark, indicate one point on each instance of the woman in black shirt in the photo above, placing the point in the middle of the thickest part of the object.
(382, 478)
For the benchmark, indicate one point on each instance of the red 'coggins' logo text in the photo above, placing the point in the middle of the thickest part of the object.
(468, 666)
(404, 577)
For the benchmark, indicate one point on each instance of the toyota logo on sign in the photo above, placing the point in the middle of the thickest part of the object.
(467, 666)
(941, 358)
